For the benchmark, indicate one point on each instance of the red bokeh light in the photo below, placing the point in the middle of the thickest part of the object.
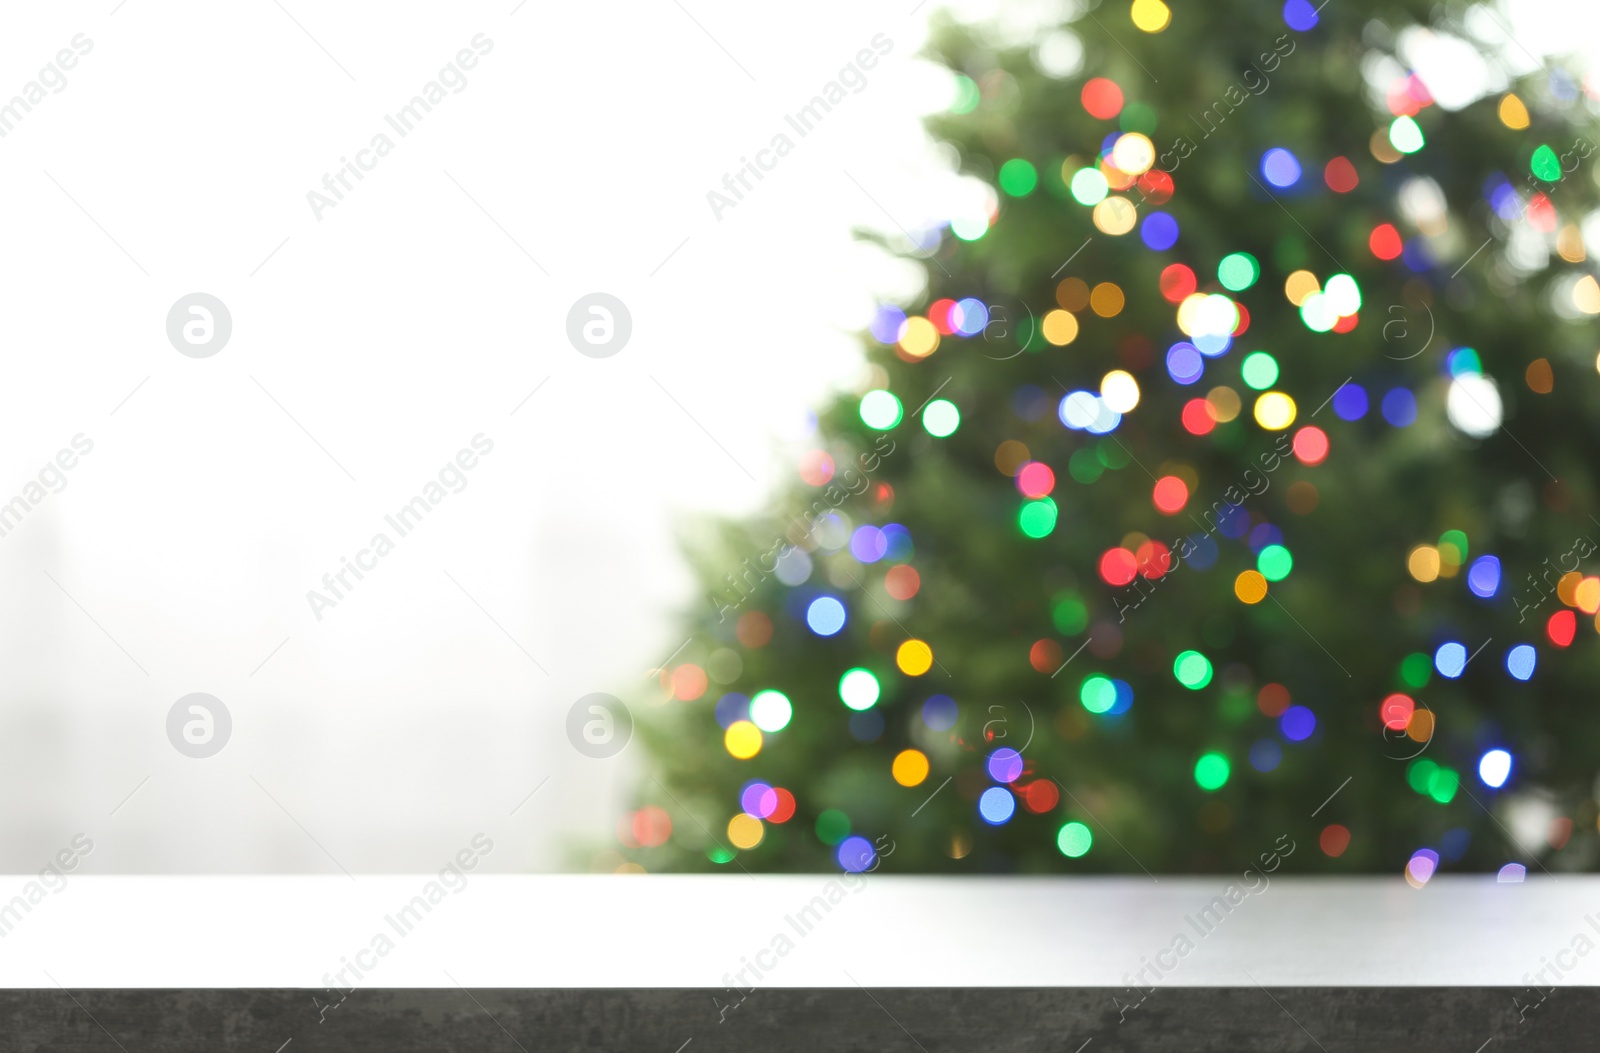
(1177, 282)
(816, 468)
(1385, 242)
(1170, 495)
(1340, 175)
(1045, 656)
(1395, 712)
(688, 682)
(1197, 418)
(651, 826)
(1333, 840)
(902, 582)
(1036, 480)
(1118, 566)
(754, 630)
(1311, 445)
(1562, 627)
(1039, 797)
(785, 809)
(1272, 700)
(1102, 98)
(1154, 559)
(1156, 186)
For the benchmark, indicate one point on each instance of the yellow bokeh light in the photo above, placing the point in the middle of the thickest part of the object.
(1223, 404)
(1586, 295)
(1423, 563)
(1106, 300)
(1134, 153)
(1569, 244)
(910, 767)
(918, 337)
(1275, 411)
(914, 658)
(1420, 726)
(1060, 328)
(1116, 178)
(1586, 597)
(1010, 456)
(1567, 588)
(1120, 391)
(1073, 294)
(1250, 586)
(1152, 16)
(1191, 313)
(1513, 114)
(1115, 216)
(1382, 148)
(742, 739)
(745, 831)
(1299, 285)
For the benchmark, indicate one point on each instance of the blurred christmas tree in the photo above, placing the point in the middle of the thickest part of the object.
(1238, 456)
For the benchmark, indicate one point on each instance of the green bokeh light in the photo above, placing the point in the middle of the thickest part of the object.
(1070, 615)
(1259, 370)
(1442, 785)
(1192, 669)
(1420, 774)
(1546, 165)
(1211, 771)
(1406, 136)
(880, 410)
(1089, 187)
(1074, 840)
(1097, 694)
(1416, 669)
(771, 711)
(859, 689)
(1238, 271)
(1137, 117)
(833, 826)
(941, 418)
(1018, 177)
(966, 99)
(1457, 540)
(1084, 466)
(1038, 518)
(1274, 562)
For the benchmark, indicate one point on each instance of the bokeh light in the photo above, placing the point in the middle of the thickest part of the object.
(859, 689)
(1211, 772)
(1192, 669)
(1074, 840)
(914, 657)
(770, 710)
(997, 805)
(910, 767)
(825, 615)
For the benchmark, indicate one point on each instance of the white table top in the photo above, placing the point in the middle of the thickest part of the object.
(566, 931)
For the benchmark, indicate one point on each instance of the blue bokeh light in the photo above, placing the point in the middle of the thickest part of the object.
(825, 616)
(997, 806)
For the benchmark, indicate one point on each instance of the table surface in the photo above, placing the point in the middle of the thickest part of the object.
(581, 931)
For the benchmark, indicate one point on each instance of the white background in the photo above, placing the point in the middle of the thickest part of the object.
(405, 321)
